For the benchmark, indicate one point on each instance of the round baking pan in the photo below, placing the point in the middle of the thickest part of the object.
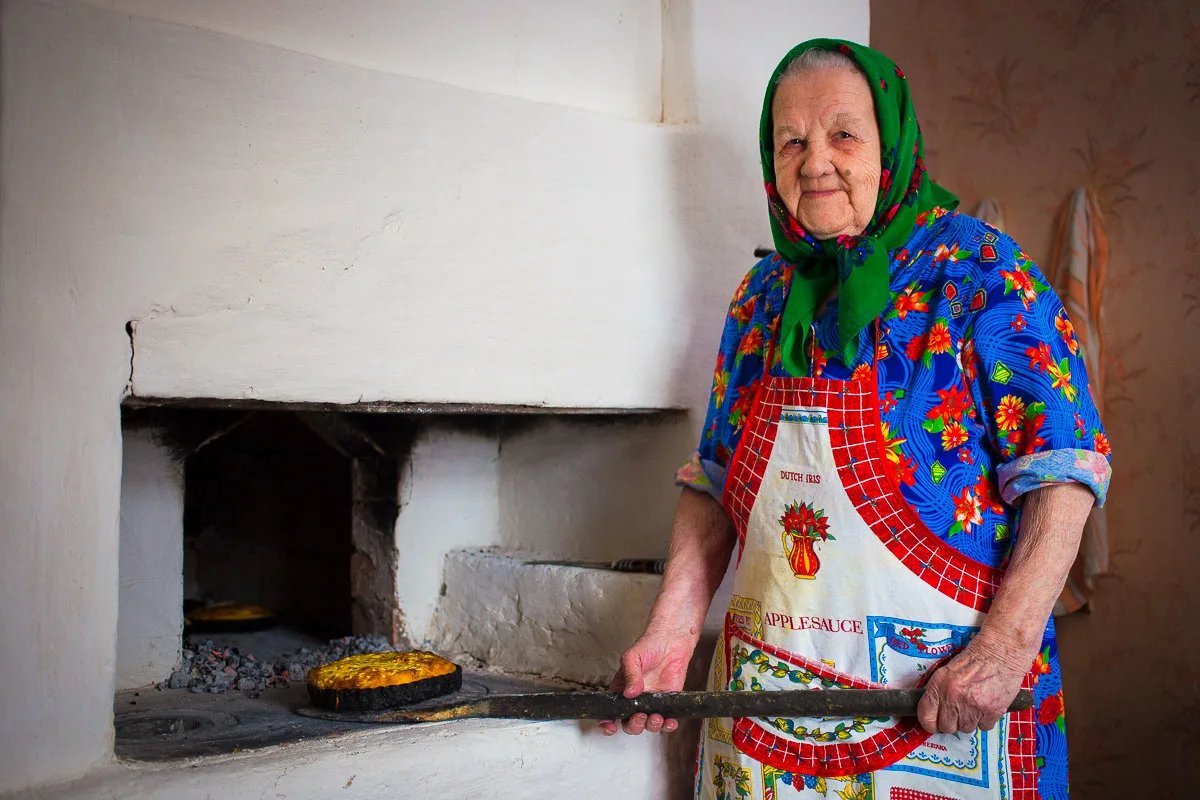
(229, 618)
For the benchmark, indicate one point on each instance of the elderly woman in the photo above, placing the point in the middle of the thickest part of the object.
(901, 445)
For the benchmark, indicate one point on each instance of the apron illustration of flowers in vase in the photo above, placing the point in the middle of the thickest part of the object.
(802, 528)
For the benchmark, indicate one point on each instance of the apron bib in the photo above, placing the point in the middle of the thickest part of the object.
(840, 584)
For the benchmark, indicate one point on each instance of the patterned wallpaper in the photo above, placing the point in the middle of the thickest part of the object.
(1022, 101)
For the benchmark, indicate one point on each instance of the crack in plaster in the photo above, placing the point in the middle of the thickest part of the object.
(131, 332)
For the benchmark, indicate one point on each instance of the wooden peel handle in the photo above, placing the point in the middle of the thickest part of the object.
(688, 705)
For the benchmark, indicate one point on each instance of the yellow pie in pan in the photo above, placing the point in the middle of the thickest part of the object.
(379, 681)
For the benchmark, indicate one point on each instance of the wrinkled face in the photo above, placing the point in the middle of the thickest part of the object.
(827, 151)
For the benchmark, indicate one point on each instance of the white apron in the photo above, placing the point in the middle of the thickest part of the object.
(840, 584)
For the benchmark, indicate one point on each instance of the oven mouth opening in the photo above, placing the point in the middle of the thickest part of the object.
(267, 532)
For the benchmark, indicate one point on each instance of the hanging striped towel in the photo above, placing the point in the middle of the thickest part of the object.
(1076, 268)
(990, 212)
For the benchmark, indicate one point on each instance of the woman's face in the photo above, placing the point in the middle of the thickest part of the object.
(827, 153)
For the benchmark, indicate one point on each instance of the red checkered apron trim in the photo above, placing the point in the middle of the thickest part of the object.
(825, 760)
(898, 793)
(1022, 750)
(866, 475)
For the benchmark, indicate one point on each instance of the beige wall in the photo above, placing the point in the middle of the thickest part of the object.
(1024, 101)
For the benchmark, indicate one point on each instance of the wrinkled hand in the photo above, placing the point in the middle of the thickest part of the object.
(972, 690)
(655, 663)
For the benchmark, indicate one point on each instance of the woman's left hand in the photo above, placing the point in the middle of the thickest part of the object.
(972, 690)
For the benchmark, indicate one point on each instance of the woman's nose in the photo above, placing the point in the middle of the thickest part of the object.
(816, 161)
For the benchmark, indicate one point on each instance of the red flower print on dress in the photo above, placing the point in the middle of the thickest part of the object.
(744, 312)
(861, 372)
(1010, 414)
(741, 406)
(903, 467)
(891, 444)
(1040, 358)
(967, 512)
(740, 294)
(939, 338)
(751, 343)
(786, 274)
(952, 253)
(1041, 664)
(816, 357)
(1018, 323)
(1067, 331)
(953, 404)
(916, 347)
(1051, 709)
(888, 402)
(1030, 439)
(1100, 443)
(1021, 281)
(910, 300)
(965, 456)
(989, 498)
(720, 382)
(1060, 375)
(953, 435)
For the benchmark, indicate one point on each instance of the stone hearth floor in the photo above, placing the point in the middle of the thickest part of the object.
(167, 724)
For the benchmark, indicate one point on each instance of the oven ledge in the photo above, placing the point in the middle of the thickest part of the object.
(480, 758)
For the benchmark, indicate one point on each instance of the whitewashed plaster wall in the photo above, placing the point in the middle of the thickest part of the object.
(503, 759)
(150, 167)
(604, 489)
(603, 56)
(448, 491)
(149, 622)
(354, 235)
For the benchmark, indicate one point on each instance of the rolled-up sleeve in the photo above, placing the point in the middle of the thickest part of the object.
(1027, 373)
(739, 366)
(701, 475)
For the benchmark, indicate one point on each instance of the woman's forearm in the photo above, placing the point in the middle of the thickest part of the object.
(701, 542)
(1052, 520)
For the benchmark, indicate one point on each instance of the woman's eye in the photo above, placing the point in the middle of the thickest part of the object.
(844, 135)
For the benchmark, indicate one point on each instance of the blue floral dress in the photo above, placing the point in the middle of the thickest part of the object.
(983, 395)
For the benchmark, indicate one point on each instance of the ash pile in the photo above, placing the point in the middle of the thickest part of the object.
(207, 667)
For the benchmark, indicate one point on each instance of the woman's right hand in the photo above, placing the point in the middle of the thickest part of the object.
(655, 663)
(702, 539)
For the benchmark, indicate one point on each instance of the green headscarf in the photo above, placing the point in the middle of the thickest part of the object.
(858, 263)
